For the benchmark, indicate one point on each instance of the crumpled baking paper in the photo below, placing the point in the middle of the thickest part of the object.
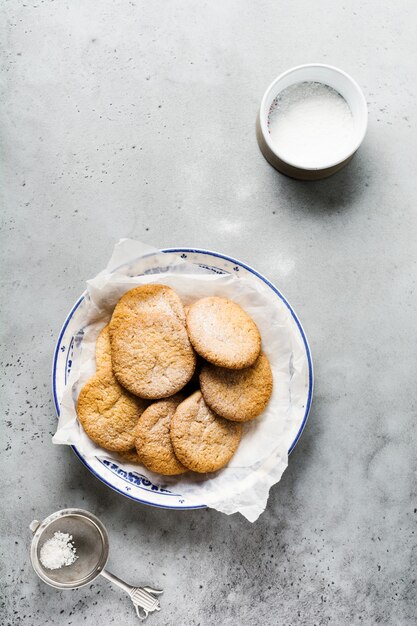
(243, 486)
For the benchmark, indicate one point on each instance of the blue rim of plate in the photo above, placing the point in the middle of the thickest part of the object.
(274, 289)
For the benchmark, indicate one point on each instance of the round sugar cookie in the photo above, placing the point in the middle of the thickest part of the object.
(237, 395)
(108, 413)
(131, 456)
(153, 442)
(151, 354)
(202, 441)
(146, 299)
(223, 333)
(103, 350)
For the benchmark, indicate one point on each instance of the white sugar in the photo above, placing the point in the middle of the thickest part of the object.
(311, 125)
(58, 551)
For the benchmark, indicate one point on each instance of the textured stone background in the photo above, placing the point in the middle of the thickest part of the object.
(137, 119)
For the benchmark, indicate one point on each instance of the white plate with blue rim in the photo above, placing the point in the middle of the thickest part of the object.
(133, 484)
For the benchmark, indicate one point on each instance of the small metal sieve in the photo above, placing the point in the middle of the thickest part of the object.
(92, 545)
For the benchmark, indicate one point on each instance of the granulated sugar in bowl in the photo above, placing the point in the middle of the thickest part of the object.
(310, 124)
(311, 121)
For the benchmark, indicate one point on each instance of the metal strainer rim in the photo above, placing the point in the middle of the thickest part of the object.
(41, 529)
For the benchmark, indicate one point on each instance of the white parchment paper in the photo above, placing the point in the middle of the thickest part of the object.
(262, 456)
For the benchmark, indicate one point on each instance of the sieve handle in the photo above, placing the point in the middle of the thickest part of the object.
(116, 581)
(144, 599)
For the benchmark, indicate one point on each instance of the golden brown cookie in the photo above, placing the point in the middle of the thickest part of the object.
(153, 441)
(103, 350)
(108, 413)
(151, 298)
(151, 353)
(223, 333)
(202, 441)
(131, 456)
(237, 395)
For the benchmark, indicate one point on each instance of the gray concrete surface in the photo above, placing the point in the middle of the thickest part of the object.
(137, 119)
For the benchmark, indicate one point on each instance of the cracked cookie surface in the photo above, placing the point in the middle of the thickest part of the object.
(108, 413)
(150, 350)
(153, 441)
(237, 395)
(202, 441)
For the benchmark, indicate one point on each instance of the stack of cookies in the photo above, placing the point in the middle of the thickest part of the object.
(173, 385)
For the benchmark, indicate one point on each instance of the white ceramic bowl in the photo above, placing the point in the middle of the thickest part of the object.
(135, 485)
(328, 75)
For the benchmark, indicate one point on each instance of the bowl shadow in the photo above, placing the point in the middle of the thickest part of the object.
(338, 193)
